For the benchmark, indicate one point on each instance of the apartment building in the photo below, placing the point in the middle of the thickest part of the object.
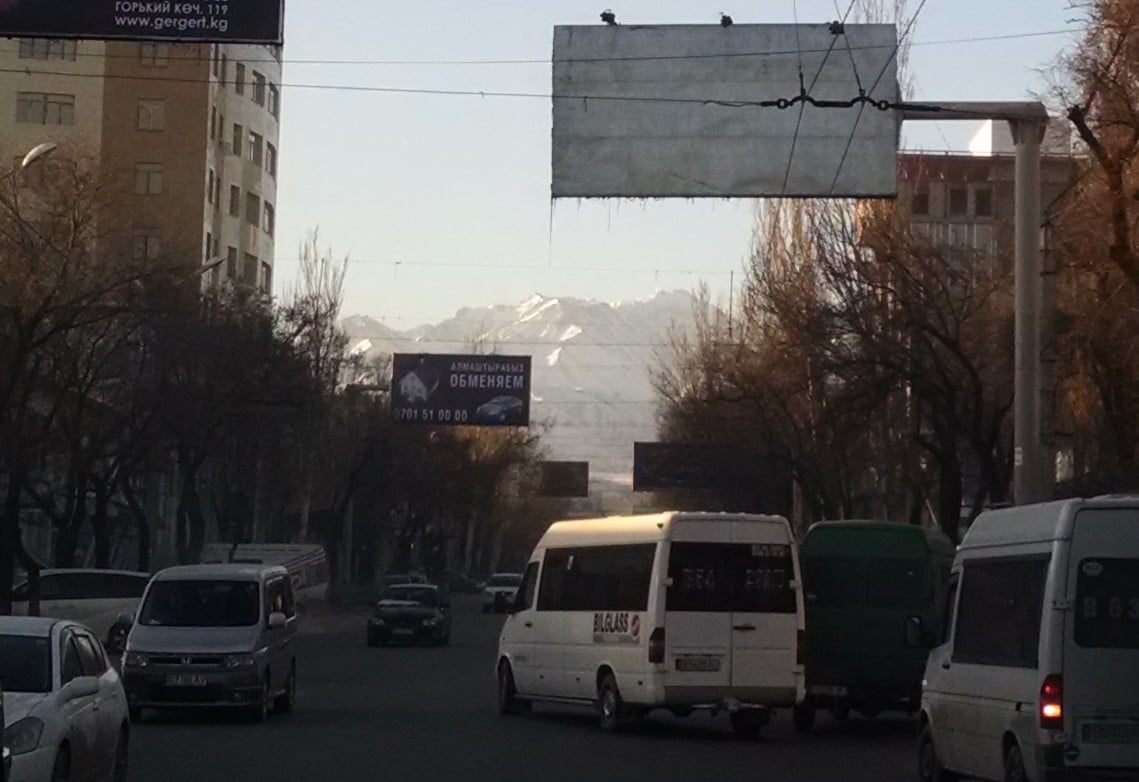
(191, 130)
(967, 200)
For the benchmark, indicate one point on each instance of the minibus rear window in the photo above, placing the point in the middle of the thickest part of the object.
(1107, 603)
(832, 582)
(896, 583)
(731, 577)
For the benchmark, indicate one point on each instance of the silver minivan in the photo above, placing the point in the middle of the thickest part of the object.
(214, 635)
(1037, 675)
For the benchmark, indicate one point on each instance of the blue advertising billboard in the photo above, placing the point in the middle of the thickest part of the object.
(221, 21)
(460, 390)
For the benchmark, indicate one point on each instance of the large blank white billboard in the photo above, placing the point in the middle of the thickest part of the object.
(671, 111)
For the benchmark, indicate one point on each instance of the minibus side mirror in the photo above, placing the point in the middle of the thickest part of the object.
(915, 638)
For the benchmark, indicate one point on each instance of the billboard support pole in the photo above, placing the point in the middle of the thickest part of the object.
(1033, 458)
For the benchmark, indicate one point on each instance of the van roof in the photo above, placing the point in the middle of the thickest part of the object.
(241, 572)
(882, 537)
(644, 528)
(1041, 522)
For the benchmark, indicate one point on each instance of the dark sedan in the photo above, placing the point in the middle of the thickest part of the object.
(500, 410)
(410, 613)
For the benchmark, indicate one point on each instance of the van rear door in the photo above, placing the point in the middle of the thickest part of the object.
(698, 619)
(765, 618)
(1101, 655)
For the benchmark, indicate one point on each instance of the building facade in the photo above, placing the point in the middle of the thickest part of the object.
(190, 130)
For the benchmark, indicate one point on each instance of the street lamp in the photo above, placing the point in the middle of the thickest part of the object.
(38, 152)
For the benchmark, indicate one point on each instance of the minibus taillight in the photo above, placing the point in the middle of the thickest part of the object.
(801, 647)
(656, 646)
(1052, 702)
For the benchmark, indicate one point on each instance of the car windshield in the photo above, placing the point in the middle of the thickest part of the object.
(423, 595)
(25, 663)
(202, 604)
(505, 580)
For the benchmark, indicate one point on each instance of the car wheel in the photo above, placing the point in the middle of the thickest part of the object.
(122, 755)
(929, 764)
(61, 768)
(747, 723)
(288, 699)
(260, 710)
(508, 700)
(1014, 765)
(804, 716)
(611, 711)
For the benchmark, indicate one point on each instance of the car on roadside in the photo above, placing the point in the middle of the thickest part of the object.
(65, 711)
(105, 601)
(394, 579)
(498, 592)
(214, 636)
(411, 613)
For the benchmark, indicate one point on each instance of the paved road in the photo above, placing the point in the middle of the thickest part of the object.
(428, 714)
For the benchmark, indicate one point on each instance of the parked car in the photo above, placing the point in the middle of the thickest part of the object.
(874, 595)
(103, 600)
(1035, 678)
(499, 591)
(65, 712)
(410, 613)
(394, 579)
(216, 636)
(500, 410)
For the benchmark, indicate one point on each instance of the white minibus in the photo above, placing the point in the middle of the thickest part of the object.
(680, 611)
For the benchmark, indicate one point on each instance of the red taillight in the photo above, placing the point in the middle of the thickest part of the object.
(656, 646)
(801, 647)
(1052, 702)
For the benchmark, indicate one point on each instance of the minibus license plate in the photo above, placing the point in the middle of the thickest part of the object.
(827, 690)
(705, 664)
(186, 680)
(1111, 732)
(401, 631)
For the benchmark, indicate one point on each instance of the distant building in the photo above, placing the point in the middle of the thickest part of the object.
(191, 131)
(968, 200)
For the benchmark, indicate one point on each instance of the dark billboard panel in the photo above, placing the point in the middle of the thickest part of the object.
(460, 390)
(221, 21)
(564, 479)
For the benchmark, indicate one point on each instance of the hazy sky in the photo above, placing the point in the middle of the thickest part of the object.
(443, 201)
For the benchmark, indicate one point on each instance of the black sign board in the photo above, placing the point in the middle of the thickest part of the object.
(460, 390)
(564, 479)
(221, 21)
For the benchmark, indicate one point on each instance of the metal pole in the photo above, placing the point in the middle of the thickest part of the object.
(1028, 460)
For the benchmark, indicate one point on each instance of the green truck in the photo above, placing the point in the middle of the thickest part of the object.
(874, 594)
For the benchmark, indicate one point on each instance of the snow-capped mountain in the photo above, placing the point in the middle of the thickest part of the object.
(592, 364)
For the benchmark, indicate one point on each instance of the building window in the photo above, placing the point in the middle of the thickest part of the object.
(274, 101)
(921, 202)
(239, 79)
(210, 186)
(44, 108)
(148, 178)
(249, 270)
(235, 201)
(983, 202)
(266, 277)
(271, 159)
(217, 60)
(224, 69)
(958, 201)
(209, 245)
(221, 125)
(231, 263)
(238, 134)
(270, 219)
(147, 245)
(256, 148)
(152, 114)
(154, 55)
(259, 85)
(213, 122)
(252, 209)
(43, 49)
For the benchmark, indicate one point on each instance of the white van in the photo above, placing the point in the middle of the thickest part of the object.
(681, 611)
(1037, 677)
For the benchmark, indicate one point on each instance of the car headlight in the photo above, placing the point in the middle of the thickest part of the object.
(240, 660)
(135, 660)
(431, 621)
(23, 735)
